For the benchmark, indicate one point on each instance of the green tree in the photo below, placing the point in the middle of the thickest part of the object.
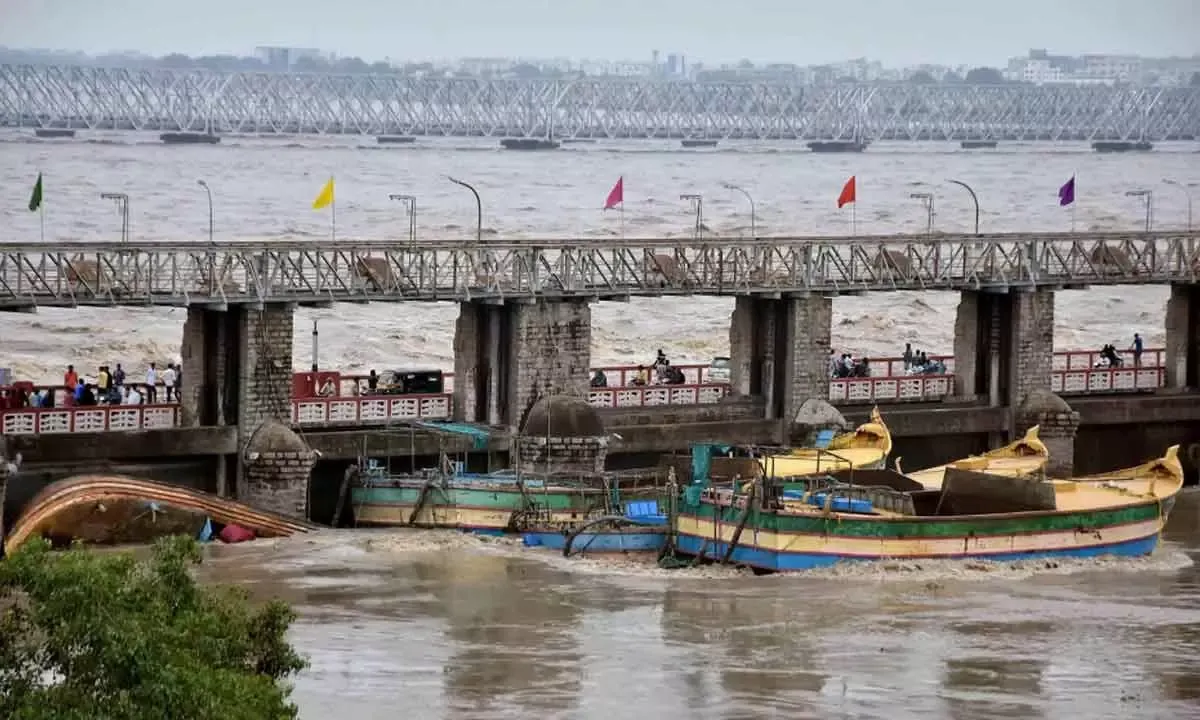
(105, 636)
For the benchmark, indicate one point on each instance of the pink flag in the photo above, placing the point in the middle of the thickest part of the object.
(616, 196)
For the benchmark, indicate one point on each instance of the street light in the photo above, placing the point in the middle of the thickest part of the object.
(698, 204)
(1188, 194)
(410, 207)
(122, 201)
(753, 223)
(208, 191)
(478, 207)
(1147, 196)
(974, 199)
(926, 199)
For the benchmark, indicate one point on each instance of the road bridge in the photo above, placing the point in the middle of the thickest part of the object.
(111, 98)
(322, 271)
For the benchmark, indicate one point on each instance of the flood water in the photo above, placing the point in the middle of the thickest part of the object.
(432, 624)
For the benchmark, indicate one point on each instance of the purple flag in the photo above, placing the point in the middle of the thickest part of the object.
(1066, 193)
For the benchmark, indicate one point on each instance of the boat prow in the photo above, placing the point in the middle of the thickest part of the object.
(867, 447)
(1159, 479)
(1025, 456)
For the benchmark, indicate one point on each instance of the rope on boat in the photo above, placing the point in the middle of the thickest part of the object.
(420, 504)
(737, 533)
(614, 519)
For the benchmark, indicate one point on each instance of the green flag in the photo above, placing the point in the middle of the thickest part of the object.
(35, 200)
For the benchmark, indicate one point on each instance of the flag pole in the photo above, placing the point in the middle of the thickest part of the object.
(1074, 196)
(854, 219)
(622, 219)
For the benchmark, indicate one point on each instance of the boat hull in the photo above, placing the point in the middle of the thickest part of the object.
(470, 508)
(628, 541)
(788, 542)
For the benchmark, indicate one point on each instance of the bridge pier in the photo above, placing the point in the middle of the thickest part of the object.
(780, 350)
(1004, 345)
(1183, 337)
(237, 370)
(509, 354)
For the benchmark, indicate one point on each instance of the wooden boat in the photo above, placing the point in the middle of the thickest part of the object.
(837, 146)
(698, 143)
(529, 144)
(866, 447)
(1025, 456)
(978, 144)
(1120, 146)
(53, 133)
(641, 530)
(973, 516)
(395, 139)
(116, 509)
(492, 503)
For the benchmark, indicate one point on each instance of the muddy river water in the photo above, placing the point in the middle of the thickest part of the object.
(431, 624)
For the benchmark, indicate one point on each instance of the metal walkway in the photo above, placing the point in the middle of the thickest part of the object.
(173, 273)
(152, 99)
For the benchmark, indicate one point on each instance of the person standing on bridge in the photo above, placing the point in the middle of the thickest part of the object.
(1137, 350)
(152, 384)
(169, 380)
(908, 356)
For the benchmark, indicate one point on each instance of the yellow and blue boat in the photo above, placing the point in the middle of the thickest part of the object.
(815, 522)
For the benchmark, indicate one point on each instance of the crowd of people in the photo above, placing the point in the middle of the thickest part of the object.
(110, 386)
(659, 372)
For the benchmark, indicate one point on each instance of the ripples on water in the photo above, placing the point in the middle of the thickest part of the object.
(263, 188)
(441, 625)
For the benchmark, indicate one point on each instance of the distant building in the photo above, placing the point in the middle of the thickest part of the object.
(283, 58)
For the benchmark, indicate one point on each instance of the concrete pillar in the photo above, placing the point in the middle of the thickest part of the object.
(753, 348)
(779, 350)
(970, 344)
(1058, 424)
(809, 327)
(1183, 337)
(507, 356)
(265, 367)
(209, 361)
(1030, 343)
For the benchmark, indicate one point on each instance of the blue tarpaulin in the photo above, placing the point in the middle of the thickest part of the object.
(479, 435)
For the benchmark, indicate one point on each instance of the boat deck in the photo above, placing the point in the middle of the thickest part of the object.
(933, 478)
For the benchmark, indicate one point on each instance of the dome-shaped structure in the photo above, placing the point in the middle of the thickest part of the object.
(1042, 402)
(818, 413)
(273, 436)
(562, 416)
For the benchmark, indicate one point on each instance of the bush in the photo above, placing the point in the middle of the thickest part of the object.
(98, 636)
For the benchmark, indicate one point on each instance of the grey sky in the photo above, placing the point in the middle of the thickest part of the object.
(898, 32)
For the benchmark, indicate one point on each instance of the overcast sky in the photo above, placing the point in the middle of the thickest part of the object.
(897, 32)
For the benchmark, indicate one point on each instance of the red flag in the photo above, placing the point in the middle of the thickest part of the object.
(847, 195)
(616, 196)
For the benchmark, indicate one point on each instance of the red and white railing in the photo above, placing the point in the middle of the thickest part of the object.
(1075, 373)
(1106, 380)
(910, 388)
(90, 419)
(371, 409)
(657, 395)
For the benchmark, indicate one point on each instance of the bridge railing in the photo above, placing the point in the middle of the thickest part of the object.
(94, 418)
(174, 273)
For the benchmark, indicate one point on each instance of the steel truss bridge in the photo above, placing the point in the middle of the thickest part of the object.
(247, 102)
(73, 274)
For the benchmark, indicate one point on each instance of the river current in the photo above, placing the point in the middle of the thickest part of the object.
(434, 624)
(264, 188)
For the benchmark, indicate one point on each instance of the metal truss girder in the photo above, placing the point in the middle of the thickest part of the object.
(319, 271)
(160, 99)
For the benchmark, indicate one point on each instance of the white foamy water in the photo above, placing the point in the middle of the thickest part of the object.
(264, 188)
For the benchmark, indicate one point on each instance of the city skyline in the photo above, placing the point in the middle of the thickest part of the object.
(922, 32)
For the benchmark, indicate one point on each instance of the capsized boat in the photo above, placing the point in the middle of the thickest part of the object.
(1025, 456)
(775, 526)
(866, 447)
(492, 503)
(117, 510)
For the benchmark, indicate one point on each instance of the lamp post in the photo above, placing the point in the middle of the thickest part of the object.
(478, 207)
(122, 201)
(697, 204)
(753, 221)
(1186, 193)
(410, 208)
(974, 199)
(926, 199)
(1147, 197)
(208, 191)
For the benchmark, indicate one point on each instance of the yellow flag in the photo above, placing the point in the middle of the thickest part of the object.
(325, 198)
